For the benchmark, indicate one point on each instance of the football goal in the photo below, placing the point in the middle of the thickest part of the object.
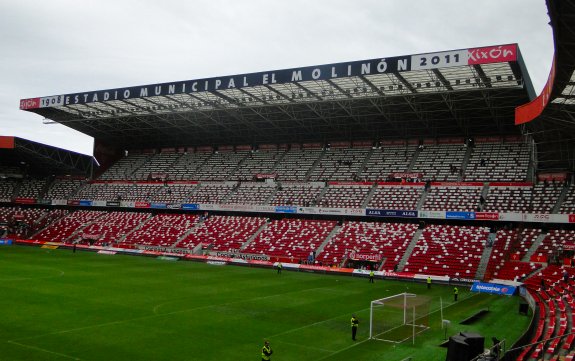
(399, 318)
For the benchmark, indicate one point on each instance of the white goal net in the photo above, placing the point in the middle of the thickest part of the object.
(399, 318)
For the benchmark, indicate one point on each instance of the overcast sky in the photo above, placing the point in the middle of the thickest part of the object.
(52, 47)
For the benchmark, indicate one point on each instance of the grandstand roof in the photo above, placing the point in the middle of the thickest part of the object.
(554, 130)
(465, 92)
(40, 159)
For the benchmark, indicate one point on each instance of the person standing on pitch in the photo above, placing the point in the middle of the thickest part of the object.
(354, 325)
(267, 351)
(371, 274)
(455, 293)
(428, 282)
(280, 266)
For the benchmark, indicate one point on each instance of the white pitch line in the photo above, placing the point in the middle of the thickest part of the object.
(44, 350)
(304, 346)
(162, 314)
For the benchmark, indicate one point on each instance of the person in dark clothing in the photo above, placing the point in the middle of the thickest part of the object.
(354, 325)
(267, 351)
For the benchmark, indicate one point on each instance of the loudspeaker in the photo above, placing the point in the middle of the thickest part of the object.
(458, 349)
(476, 343)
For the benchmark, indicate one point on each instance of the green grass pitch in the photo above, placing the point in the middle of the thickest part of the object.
(57, 305)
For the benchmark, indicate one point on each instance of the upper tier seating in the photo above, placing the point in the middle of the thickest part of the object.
(7, 187)
(461, 198)
(157, 166)
(161, 230)
(447, 250)
(296, 163)
(222, 233)
(174, 193)
(220, 165)
(296, 194)
(211, 192)
(290, 238)
(31, 188)
(498, 162)
(340, 196)
(258, 162)
(125, 167)
(339, 164)
(387, 160)
(63, 188)
(388, 240)
(508, 199)
(62, 229)
(441, 162)
(105, 192)
(142, 192)
(251, 193)
(186, 166)
(397, 197)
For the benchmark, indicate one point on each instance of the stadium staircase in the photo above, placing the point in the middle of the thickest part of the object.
(278, 161)
(253, 236)
(331, 234)
(314, 165)
(183, 236)
(464, 163)
(409, 249)
(484, 193)
(560, 199)
(317, 202)
(534, 246)
(233, 171)
(485, 256)
(413, 159)
(369, 195)
(364, 163)
(139, 226)
(422, 199)
(82, 227)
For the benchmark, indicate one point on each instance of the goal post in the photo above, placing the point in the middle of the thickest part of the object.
(398, 318)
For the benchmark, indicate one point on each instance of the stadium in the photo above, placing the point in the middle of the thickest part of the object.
(217, 213)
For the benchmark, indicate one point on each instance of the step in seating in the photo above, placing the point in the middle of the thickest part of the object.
(447, 250)
(293, 239)
(386, 240)
(396, 196)
(63, 228)
(162, 230)
(343, 196)
(296, 194)
(251, 193)
(109, 229)
(460, 198)
(222, 233)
